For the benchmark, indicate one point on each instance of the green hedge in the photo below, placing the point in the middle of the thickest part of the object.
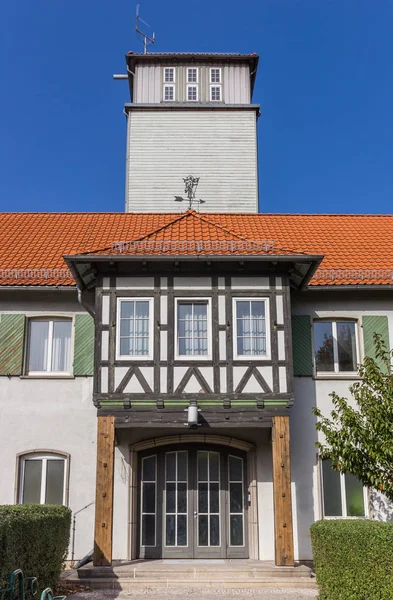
(34, 538)
(353, 559)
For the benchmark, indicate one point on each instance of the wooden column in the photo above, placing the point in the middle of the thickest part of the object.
(282, 492)
(104, 491)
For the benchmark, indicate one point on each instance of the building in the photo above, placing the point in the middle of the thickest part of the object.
(165, 364)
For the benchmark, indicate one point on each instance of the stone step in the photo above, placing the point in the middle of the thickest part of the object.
(124, 583)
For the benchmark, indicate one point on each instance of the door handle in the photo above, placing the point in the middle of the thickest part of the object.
(195, 514)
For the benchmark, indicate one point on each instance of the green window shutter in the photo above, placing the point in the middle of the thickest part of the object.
(12, 331)
(302, 346)
(84, 345)
(374, 324)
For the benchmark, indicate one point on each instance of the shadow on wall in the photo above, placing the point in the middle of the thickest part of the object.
(382, 507)
(304, 466)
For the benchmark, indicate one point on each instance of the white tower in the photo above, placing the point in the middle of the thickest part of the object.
(191, 114)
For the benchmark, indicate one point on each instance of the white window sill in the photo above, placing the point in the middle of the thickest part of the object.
(346, 518)
(338, 376)
(47, 376)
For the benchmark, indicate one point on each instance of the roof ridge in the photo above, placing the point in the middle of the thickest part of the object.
(155, 231)
(226, 229)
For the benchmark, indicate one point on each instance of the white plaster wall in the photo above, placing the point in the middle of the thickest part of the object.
(311, 392)
(55, 414)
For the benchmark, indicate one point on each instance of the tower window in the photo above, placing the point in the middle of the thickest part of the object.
(169, 75)
(192, 75)
(215, 93)
(192, 93)
(215, 75)
(169, 93)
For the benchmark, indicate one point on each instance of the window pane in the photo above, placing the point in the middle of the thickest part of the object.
(202, 466)
(354, 496)
(331, 490)
(244, 346)
(170, 530)
(214, 530)
(184, 310)
(126, 346)
(148, 530)
(61, 346)
(203, 534)
(243, 326)
(259, 346)
(181, 497)
(235, 469)
(54, 481)
(214, 464)
(323, 346)
(346, 345)
(171, 497)
(149, 498)
(236, 497)
(200, 346)
(142, 309)
(127, 309)
(203, 498)
(258, 309)
(243, 309)
(149, 468)
(182, 530)
(171, 466)
(236, 530)
(126, 327)
(32, 482)
(182, 466)
(200, 311)
(214, 498)
(38, 345)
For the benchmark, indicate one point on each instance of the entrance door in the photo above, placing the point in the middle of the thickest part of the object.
(192, 503)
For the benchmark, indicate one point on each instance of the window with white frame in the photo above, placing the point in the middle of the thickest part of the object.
(215, 75)
(43, 478)
(134, 328)
(193, 330)
(169, 93)
(49, 346)
(169, 75)
(335, 346)
(343, 494)
(215, 93)
(192, 75)
(192, 93)
(251, 337)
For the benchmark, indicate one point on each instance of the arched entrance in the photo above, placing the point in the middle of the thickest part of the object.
(192, 497)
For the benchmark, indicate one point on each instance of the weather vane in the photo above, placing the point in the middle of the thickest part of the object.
(190, 187)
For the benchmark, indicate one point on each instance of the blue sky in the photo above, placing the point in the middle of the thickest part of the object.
(325, 85)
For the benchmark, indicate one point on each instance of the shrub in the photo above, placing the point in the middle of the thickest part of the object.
(34, 538)
(353, 559)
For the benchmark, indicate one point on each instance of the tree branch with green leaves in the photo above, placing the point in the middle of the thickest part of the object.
(359, 434)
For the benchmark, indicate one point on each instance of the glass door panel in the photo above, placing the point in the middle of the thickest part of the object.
(149, 501)
(208, 502)
(176, 499)
(236, 501)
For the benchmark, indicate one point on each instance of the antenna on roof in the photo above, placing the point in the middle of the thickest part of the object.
(146, 38)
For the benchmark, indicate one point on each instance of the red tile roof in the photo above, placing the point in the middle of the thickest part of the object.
(357, 249)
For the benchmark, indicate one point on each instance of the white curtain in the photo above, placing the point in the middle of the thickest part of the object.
(38, 345)
(61, 346)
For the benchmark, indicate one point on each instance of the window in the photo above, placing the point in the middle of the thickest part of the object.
(193, 328)
(215, 93)
(149, 500)
(192, 93)
(215, 75)
(335, 346)
(251, 328)
(169, 75)
(42, 479)
(343, 494)
(49, 346)
(169, 93)
(192, 75)
(134, 328)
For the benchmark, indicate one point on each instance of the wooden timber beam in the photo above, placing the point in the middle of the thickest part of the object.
(284, 555)
(104, 491)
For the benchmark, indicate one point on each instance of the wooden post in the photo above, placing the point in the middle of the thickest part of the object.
(282, 492)
(104, 491)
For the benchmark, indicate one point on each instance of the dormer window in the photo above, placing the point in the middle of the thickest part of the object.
(192, 93)
(215, 93)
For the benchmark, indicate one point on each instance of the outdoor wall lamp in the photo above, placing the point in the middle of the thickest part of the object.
(192, 415)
